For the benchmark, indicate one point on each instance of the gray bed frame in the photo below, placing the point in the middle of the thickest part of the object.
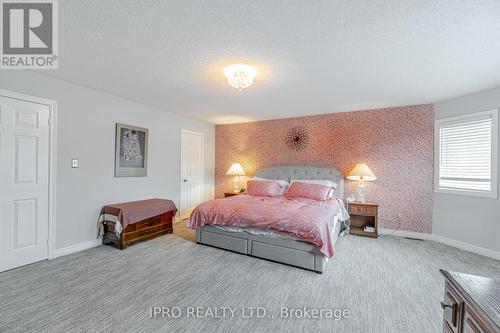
(284, 250)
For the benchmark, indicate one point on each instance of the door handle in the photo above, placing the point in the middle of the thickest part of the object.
(454, 312)
(185, 180)
(444, 306)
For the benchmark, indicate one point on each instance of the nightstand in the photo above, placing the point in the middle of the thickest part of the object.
(363, 214)
(229, 194)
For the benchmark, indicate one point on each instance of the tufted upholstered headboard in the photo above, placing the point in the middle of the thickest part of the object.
(290, 172)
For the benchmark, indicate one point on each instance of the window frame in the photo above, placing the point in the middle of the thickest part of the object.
(493, 193)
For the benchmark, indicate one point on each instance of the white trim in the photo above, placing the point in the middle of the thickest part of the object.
(493, 193)
(403, 233)
(51, 238)
(443, 240)
(77, 247)
(202, 167)
(467, 247)
(490, 194)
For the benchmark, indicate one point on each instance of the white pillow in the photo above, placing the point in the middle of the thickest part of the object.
(325, 182)
(283, 183)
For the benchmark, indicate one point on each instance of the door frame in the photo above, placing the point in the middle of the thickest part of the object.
(180, 166)
(51, 236)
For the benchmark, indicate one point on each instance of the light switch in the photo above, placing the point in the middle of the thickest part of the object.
(74, 163)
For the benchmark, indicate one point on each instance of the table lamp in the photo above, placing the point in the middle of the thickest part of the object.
(361, 173)
(236, 170)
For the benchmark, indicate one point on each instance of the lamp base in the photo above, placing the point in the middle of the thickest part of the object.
(236, 188)
(361, 193)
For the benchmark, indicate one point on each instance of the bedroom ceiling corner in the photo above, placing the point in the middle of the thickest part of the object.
(312, 57)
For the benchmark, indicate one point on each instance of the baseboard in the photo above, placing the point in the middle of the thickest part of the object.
(440, 239)
(466, 246)
(77, 247)
(403, 233)
(382, 231)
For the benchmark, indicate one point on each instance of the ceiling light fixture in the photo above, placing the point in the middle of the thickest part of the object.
(240, 76)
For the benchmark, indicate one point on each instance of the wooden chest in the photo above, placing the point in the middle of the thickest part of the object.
(142, 230)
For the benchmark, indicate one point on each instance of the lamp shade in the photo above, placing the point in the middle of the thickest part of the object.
(235, 170)
(361, 172)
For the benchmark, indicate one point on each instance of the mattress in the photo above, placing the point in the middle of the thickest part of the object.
(336, 223)
(310, 220)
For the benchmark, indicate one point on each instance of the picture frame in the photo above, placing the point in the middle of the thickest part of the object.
(131, 151)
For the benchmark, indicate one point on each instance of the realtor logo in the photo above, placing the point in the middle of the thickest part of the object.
(29, 34)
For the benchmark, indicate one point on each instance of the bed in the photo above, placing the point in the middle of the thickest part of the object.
(276, 245)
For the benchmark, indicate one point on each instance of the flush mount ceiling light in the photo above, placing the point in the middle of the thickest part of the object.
(240, 76)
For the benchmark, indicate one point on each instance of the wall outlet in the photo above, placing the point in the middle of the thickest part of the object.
(74, 163)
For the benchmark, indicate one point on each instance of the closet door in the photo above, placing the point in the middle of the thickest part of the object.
(24, 182)
(191, 171)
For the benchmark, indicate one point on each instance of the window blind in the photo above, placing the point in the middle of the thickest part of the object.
(465, 154)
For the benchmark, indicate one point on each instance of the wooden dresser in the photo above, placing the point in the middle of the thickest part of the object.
(471, 304)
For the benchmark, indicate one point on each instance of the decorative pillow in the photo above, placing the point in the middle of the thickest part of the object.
(283, 183)
(265, 188)
(308, 191)
(325, 182)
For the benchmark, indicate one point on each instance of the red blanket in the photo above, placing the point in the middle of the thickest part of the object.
(135, 211)
(309, 220)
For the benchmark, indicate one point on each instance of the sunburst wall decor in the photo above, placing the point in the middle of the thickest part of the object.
(297, 138)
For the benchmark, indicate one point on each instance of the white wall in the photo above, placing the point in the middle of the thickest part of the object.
(86, 130)
(473, 220)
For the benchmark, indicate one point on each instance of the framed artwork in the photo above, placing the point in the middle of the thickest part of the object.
(131, 151)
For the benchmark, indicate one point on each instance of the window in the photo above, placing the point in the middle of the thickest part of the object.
(466, 154)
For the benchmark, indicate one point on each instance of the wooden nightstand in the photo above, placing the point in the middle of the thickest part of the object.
(363, 214)
(230, 194)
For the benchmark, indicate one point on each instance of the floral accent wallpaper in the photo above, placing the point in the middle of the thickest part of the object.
(396, 143)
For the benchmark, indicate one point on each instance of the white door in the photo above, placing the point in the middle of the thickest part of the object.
(191, 171)
(24, 182)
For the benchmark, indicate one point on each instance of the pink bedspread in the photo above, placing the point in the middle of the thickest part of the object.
(309, 220)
